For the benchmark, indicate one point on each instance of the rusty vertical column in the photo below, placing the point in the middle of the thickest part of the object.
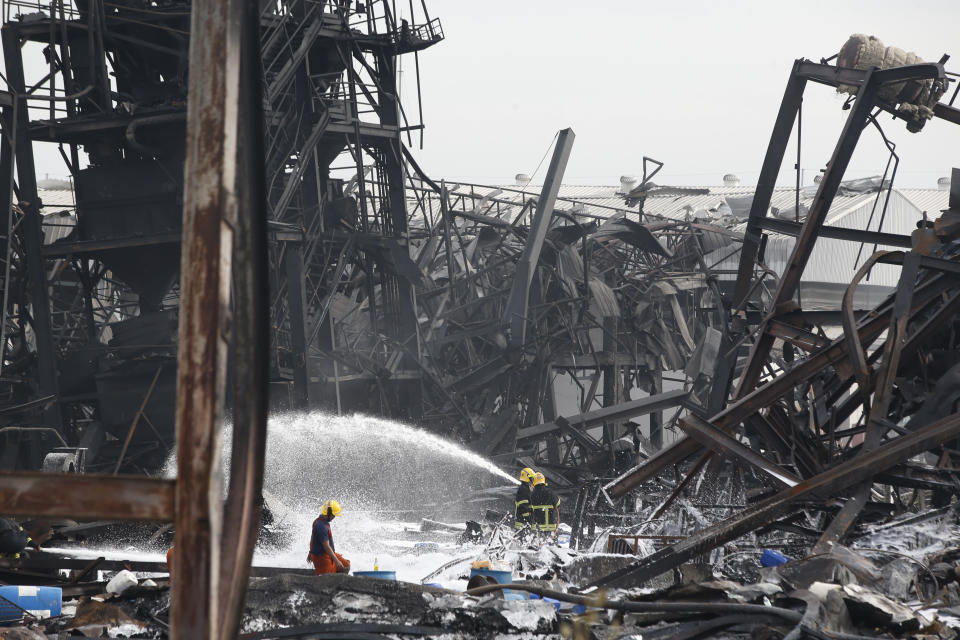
(251, 330)
(209, 219)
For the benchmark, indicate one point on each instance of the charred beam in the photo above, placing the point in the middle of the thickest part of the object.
(515, 313)
(710, 436)
(614, 413)
(822, 485)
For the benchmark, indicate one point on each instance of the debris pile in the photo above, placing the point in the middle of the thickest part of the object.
(808, 486)
(901, 580)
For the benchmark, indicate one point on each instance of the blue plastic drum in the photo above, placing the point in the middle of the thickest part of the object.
(502, 577)
(771, 558)
(43, 602)
(382, 575)
(555, 603)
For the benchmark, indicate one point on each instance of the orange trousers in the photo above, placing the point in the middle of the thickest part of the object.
(324, 563)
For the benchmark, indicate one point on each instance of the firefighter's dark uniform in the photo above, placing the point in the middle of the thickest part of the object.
(543, 501)
(521, 510)
(13, 539)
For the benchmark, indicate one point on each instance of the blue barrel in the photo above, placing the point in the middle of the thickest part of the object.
(382, 575)
(580, 609)
(771, 558)
(502, 577)
(43, 602)
(555, 603)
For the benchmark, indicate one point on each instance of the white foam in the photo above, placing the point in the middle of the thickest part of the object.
(386, 475)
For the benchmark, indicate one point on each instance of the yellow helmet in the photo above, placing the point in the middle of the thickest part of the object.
(539, 479)
(330, 507)
(526, 474)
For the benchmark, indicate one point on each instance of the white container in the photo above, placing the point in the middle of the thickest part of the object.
(121, 582)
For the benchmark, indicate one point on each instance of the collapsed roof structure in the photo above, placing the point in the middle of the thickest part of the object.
(455, 307)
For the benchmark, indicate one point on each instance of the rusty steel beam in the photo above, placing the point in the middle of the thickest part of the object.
(86, 496)
(719, 441)
(806, 340)
(840, 477)
(251, 330)
(209, 218)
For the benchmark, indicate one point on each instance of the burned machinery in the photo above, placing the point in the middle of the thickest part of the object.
(90, 298)
(390, 293)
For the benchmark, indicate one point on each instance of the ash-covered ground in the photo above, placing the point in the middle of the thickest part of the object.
(900, 579)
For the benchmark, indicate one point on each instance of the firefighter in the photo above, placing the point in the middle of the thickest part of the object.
(544, 505)
(14, 539)
(521, 509)
(323, 554)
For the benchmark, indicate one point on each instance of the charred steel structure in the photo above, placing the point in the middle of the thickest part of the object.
(458, 306)
(454, 306)
(892, 372)
(90, 320)
(390, 293)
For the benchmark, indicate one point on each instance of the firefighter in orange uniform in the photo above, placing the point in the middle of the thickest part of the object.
(323, 555)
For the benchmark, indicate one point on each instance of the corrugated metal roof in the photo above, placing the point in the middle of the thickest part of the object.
(57, 225)
(604, 201)
(679, 207)
(933, 201)
(56, 197)
(852, 212)
(674, 206)
(901, 214)
(834, 262)
(600, 201)
(58, 222)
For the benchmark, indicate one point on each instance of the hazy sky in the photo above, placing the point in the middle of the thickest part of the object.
(694, 84)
